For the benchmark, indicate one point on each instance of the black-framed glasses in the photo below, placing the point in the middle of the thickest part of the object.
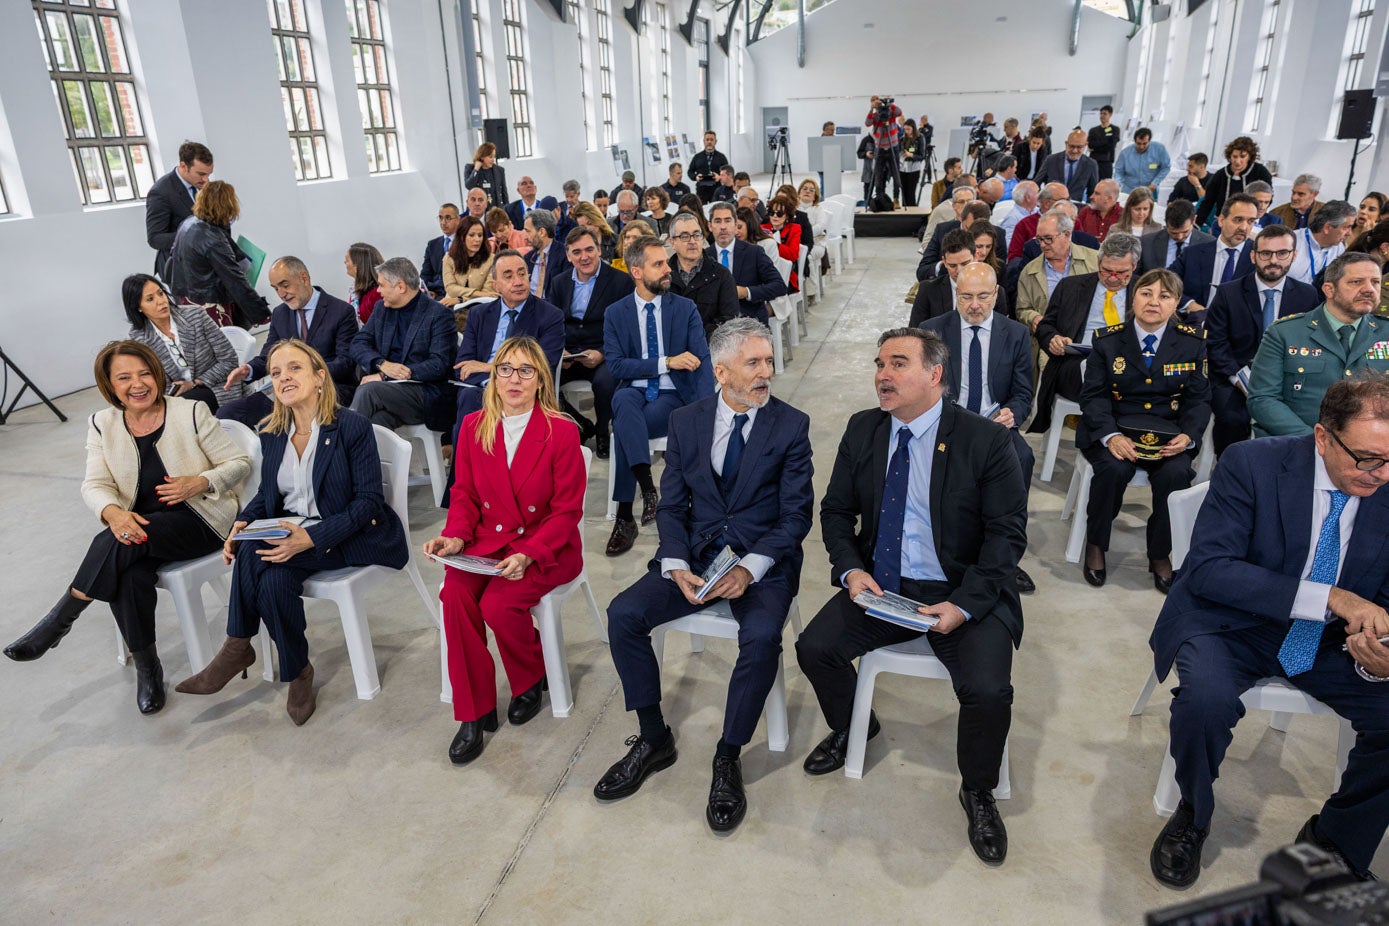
(506, 370)
(687, 236)
(1280, 255)
(1046, 240)
(1364, 464)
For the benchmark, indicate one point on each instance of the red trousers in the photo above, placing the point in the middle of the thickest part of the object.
(470, 601)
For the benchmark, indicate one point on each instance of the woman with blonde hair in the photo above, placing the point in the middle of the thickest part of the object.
(518, 497)
(585, 213)
(320, 473)
(637, 228)
(204, 266)
(1137, 218)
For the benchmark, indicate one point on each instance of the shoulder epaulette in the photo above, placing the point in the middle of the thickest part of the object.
(1288, 318)
(1112, 329)
(1189, 330)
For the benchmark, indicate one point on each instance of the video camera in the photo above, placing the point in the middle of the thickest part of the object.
(777, 139)
(883, 112)
(1299, 885)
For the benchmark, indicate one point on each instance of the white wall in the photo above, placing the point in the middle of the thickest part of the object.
(207, 73)
(943, 60)
(1297, 130)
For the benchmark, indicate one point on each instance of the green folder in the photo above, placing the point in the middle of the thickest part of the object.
(257, 257)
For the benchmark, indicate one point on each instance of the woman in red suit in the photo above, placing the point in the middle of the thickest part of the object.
(787, 234)
(518, 497)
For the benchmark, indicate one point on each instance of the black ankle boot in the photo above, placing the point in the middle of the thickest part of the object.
(48, 631)
(149, 680)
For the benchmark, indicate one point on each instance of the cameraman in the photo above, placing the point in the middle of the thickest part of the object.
(883, 118)
(982, 144)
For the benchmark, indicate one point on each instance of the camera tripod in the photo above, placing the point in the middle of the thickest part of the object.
(6, 365)
(781, 167)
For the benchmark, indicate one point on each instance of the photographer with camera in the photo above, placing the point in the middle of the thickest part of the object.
(883, 118)
(982, 145)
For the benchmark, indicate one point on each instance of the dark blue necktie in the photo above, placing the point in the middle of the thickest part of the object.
(1299, 649)
(1228, 273)
(734, 453)
(653, 351)
(1070, 170)
(510, 322)
(1269, 308)
(976, 372)
(1149, 350)
(887, 554)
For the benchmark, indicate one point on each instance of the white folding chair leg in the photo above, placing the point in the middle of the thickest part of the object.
(777, 734)
(1053, 447)
(612, 483)
(267, 655)
(547, 616)
(434, 459)
(359, 649)
(445, 687)
(1143, 696)
(1075, 545)
(593, 611)
(1344, 743)
(1072, 490)
(794, 616)
(188, 603)
(429, 603)
(778, 360)
(858, 722)
(1279, 721)
(1004, 791)
(1167, 795)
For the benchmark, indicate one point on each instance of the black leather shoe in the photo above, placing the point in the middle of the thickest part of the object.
(627, 774)
(1176, 856)
(1025, 584)
(987, 836)
(526, 704)
(586, 428)
(623, 536)
(829, 754)
(51, 628)
(149, 680)
(727, 802)
(601, 445)
(1310, 834)
(1162, 574)
(1095, 576)
(649, 501)
(467, 743)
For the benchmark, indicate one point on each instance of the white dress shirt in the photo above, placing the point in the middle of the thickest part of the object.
(513, 426)
(665, 382)
(185, 372)
(1310, 602)
(1311, 257)
(986, 328)
(295, 477)
(718, 253)
(1222, 255)
(1096, 316)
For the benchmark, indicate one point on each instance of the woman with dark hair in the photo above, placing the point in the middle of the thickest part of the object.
(163, 477)
(912, 155)
(518, 496)
(786, 233)
(484, 173)
(468, 263)
(1370, 212)
(361, 262)
(694, 207)
(195, 355)
(1375, 243)
(746, 227)
(318, 462)
(656, 200)
(204, 266)
(1242, 168)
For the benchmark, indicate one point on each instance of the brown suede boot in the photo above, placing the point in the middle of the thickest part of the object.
(301, 702)
(236, 655)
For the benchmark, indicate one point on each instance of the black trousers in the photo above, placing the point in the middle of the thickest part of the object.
(124, 576)
(202, 394)
(603, 388)
(1106, 169)
(978, 655)
(910, 182)
(1230, 414)
(271, 592)
(885, 166)
(1112, 477)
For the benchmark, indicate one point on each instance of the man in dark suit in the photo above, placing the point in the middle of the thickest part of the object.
(737, 475)
(170, 199)
(518, 209)
(988, 369)
(926, 500)
(971, 213)
(1162, 248)
(935, 297)
(1235, 322)
(1203, 267)
(1079, 306)
(705, 167)
(1073, 167)
(753, 272)
(1302, 520)
(704, 282)
(324, 322)
(675, 186)
(412, 339)
(582, 294)
(654, 344)
(432, 268)
(546, 259)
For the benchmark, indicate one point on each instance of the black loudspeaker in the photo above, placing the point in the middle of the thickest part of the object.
(1357, 114)
(494, 130)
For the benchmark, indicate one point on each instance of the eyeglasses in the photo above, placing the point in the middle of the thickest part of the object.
(687, 236)
(506, 370)
(1046, 240)
(1364, 464)
(1281, 255)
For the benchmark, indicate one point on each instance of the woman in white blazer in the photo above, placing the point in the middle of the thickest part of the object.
(162, 476)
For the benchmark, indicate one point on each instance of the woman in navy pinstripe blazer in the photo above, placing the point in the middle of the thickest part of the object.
(319, 461)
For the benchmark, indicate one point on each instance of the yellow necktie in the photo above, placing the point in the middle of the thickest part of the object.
(1111, 313)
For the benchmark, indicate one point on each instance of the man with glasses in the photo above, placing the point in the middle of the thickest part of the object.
(1203, 267)
(1079, 306)
(1073, 168)
(432, 269)
(1301, 520)
(1300, 356)
(1237, 318)
(706, 283)
(1059, 258)
(988, 369)
(754, 274)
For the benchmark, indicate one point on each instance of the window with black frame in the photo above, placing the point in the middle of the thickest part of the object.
(299, 94)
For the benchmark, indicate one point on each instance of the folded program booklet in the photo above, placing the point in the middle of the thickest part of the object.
(719, 568)
(269, 528)
(478, 564)
(897, 610)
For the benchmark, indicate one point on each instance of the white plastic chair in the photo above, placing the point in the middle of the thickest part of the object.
(1059, 410)
(793, 303)
(655, 444)
(916, 658)
(347, 587)
(847, 228)
(776, 322)
(547, 618)
(431, 444)
(1205, 457)
(810, 279)
(184, 580)
(834, 235)
(242, 341)
(1078, 503)
(717, 621)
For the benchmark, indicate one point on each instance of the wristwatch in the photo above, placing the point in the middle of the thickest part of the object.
(1364, 673)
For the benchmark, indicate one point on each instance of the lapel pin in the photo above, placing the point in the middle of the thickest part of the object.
(940, 448)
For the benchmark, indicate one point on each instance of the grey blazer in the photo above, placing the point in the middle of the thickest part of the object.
(205, 348)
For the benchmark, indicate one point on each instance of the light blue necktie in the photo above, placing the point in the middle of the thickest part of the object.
(1149, 350)
(653, 351)
(723, 258)
(1299, 649)
(1269, 309)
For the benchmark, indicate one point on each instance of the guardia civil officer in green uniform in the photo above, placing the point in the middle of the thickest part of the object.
(1145, 404)
(1301, 355)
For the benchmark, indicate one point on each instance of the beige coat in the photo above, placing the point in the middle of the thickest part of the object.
(1032, 284)
(464, 286)
(193, 444)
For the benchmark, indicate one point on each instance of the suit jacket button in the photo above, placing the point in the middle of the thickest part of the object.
(487, 504)
(1147, 405)
(531, 509)
(1148, 382)
(520, 530)
(373, 522)
(499, 527)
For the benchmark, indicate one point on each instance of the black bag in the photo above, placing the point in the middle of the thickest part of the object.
(880, 203)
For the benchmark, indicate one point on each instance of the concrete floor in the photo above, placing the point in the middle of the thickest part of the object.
(218, 809)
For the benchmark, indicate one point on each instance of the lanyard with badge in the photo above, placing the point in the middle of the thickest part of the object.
(1307, 234)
